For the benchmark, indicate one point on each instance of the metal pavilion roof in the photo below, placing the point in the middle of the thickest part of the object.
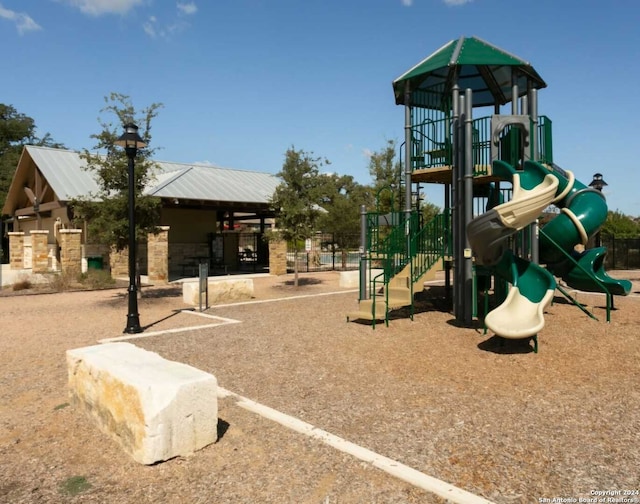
(65, 173)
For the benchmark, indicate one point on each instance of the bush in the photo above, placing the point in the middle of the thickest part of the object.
(22, 284)
(60, 282)
(97, 279)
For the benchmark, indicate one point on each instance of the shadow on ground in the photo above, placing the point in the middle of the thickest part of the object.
(499, 345)
(302, 282)
(223, 427)
(152, 293)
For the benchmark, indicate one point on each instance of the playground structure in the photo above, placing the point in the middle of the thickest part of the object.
(499, 177)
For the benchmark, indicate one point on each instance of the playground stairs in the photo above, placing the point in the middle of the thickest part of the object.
(396, 294)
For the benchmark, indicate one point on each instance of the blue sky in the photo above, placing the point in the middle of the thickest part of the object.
(243, 80)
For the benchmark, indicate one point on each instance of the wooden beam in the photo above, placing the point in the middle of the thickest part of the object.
(44, 207)
(30, 195)
(44, 190)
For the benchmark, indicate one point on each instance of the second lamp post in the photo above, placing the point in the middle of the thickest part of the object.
(131, 142)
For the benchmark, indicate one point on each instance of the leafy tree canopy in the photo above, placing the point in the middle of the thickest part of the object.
(619, 225)
(386, 172)
(297, 199)
(341, 197)
(16, 131)
(107, 218)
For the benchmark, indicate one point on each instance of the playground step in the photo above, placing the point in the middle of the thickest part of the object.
(365, 308)
(399, 296)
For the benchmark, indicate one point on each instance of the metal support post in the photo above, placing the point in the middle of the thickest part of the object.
(468, 206)
(408, 140)
(363, 253)
(455, 208)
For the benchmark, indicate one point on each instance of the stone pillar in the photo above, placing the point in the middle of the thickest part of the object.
(40, 251)
(119, 262)
(71, 251)
(277, 257)
(158, 255)
(16, 250)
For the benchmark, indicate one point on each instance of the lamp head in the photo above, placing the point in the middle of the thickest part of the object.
(130, 138)
(598, 182)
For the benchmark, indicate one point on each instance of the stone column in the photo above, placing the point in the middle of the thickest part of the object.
(119, 262)
(16, 250)
(40, 251)
(277, 257)
(158, 255)
(71, 251)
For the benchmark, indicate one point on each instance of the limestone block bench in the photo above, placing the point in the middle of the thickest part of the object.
(220, 290)
(154, 408)
(351, 279)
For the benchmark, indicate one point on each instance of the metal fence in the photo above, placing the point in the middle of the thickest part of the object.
(622, 253)
(323, 253)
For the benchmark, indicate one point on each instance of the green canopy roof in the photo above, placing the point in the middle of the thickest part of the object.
(471, 63)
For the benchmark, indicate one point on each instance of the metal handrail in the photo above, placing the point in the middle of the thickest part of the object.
(584, 270)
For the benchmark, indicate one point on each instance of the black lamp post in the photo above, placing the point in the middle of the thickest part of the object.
(598, 183)
(131, 142)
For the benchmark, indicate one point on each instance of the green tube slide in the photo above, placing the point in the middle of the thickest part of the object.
(532, 286)
(532, 280)
(583, 211)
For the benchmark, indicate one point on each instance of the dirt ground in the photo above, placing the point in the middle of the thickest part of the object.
(496, 420)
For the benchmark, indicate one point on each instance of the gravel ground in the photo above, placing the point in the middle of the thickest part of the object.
(498, 421)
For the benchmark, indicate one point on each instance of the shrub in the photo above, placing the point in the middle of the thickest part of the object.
(22, 284)
(97, 279)
(60, 282)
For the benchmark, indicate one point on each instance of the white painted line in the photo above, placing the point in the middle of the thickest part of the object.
(223, 321)
(303, 296)
(206, 315)
(390, 466)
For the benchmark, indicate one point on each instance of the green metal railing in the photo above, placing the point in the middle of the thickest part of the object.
(379, 226)
(432, 142)
(481, 145)
(590, 274)
(390, 254)
(429, 244)
(545, 140)
(405, 243)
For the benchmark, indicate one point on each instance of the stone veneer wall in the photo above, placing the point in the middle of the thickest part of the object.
(119, 262)
(158, 255)
(277, 257)
(16, 250)
(71, 251)
(40, 251)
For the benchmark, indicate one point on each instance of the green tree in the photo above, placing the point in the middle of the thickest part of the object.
(341, 197)
(16, 131)
(296, 200)
(386, 172)
(428, 211)
(619, 225)
(106, 212)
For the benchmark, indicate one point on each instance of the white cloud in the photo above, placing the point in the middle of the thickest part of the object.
(149, 27)
(407, 3)
(153, 28)
(99, 7)
(367, 153)
(454, 3)
(23, 22)
(187, 8)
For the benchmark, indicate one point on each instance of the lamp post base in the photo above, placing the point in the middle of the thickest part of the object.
(133, 324)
